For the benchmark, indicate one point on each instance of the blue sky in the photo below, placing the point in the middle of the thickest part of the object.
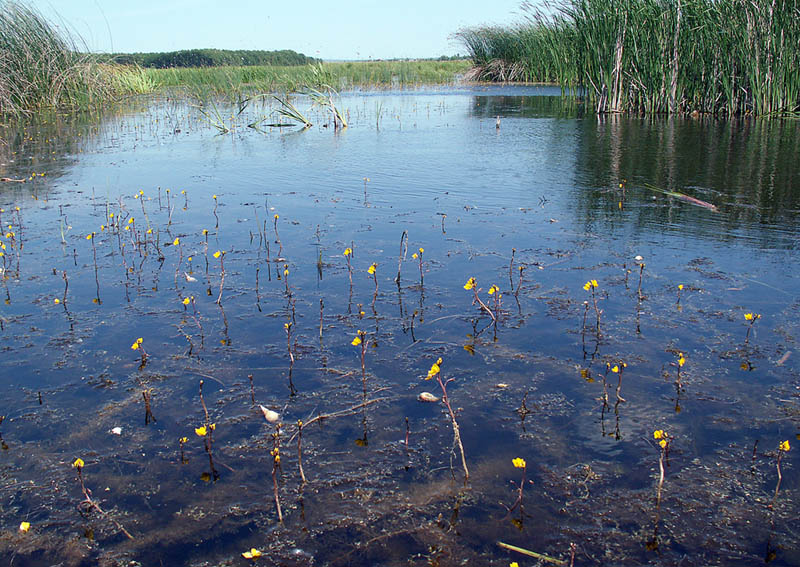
(357, 29)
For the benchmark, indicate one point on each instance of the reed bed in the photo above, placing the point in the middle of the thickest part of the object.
(652, 56)
(341, 75)
(42, 67)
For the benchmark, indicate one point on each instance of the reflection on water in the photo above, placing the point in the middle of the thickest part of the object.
(224, 253)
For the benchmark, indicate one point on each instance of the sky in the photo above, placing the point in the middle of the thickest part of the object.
(353, 29)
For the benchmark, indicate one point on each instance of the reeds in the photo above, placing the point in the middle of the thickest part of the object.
(653, 56)
(42, 66)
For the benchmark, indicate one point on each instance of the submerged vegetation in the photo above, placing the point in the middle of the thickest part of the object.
(653, 56)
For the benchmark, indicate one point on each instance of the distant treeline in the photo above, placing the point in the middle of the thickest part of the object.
(212, 58)
(653, 56)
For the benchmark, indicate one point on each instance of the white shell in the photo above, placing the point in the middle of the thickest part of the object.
(269, 415)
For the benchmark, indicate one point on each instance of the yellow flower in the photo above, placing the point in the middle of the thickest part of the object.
(286, 271)
(217, 254)
(513, 564)
(615, 369)
(658, 434)
(277, 216)
(135, 346)
(201, 431)
(176, 241)
(470, 284)
(748, 316)
(680, 287)
(130, 220)
(252, 554)
(347, 251)
(205, 231)
(371, 269)
(186, 301)
(24, 527)
(356, 341)
(57, 301)
(784, 446)
(434, 369)
(213, 197)
(414, 255)
(78, 463)
(519, 463)
(421, 250)
(493, 289)
(183, 440)
(88, 236)
(681, 360)
(662, 443)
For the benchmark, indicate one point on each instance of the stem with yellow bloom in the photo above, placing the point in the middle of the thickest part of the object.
(782, 448)
(221, 255)
(435, 372)
(520, 464)
(473, 285)
(373, 271)
(751, 318)
(276, 463)
(591, 285)
(88, 504)
(361, 340)
(347, 253)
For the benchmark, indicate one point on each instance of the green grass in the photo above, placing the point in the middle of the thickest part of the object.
(653, 56)
(42, 68)
(228, 80)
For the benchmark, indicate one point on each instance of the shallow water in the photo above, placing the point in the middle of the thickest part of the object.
(384, 483)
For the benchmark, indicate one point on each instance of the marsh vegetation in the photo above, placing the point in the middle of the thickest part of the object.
(652, 56)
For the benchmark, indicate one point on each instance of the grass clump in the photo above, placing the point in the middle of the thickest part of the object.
(41, 67)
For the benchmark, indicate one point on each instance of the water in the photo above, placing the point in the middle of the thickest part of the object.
(385, 484)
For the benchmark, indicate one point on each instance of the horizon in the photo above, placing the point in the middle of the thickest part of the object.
(421, 30)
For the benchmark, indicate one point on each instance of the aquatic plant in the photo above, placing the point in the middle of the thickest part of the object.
(436, 372)
(418, 257)
(617, 369)
(680, 289)
(138, 346)
(652, 56)
(663, 439)
(783, 447)
(751, 318)
(360, 340)
(253, 553)
(519, 463)
(88, 504)
(348, 252)
(220, 254)
(592, 285)
(373, 271)
(471, 285)
(47, 66)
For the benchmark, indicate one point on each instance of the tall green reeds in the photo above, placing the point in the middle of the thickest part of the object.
(653, 56)
(41, 67)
